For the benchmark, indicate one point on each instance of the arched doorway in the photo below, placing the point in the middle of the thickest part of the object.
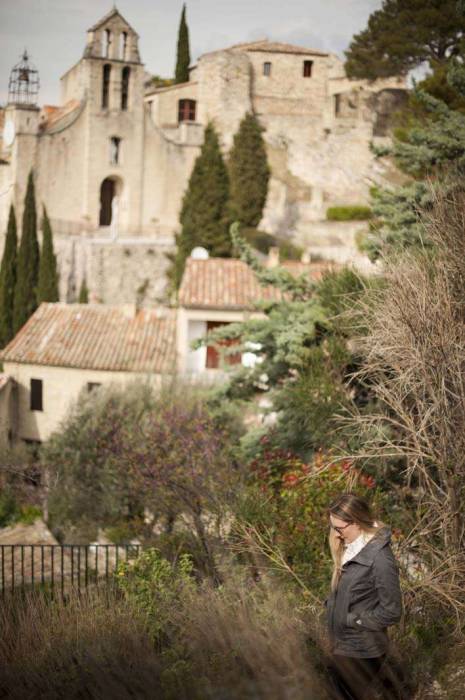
(107, 192)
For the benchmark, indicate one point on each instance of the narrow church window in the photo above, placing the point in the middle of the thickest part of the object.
(308, 65)
(337, 105)
(186, 110)
(106, 85)
(267, 68)
(123, 45)
(107, 193)
(36, 395)
(106, 51)
(126, 72)
(115, 142)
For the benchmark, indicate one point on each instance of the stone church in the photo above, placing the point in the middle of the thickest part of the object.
(112, 161)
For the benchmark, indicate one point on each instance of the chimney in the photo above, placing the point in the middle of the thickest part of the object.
(273, 257)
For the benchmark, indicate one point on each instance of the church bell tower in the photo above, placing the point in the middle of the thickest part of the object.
(21, 126)
(111, 76)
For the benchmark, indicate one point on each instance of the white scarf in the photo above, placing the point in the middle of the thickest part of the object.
(353, 548)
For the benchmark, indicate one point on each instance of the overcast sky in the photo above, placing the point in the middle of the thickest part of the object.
(54, 31)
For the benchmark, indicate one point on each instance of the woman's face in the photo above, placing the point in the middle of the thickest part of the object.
(347, 532)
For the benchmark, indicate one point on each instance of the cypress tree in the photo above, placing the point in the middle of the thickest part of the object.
(8, 280)
(47, 289)
(183, 55)
(83, 292)
(249, 172)
(204, 212)
(25, 299)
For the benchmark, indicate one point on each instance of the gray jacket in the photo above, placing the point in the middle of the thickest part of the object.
(367, 600)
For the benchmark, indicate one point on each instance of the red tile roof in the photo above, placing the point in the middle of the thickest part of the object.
(221, 283)
(51, 114)
(94, 336)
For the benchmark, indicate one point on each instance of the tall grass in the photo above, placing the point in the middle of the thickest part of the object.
(229, 642)
(90, 646)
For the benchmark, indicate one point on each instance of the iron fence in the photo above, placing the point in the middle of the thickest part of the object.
(61, 568)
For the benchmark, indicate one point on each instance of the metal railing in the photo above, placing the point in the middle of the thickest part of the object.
(61, 568)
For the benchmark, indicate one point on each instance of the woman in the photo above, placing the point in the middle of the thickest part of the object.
(365, 599)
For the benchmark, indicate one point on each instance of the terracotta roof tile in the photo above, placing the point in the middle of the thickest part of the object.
(222, 283)
(51, 114)
(94, 336)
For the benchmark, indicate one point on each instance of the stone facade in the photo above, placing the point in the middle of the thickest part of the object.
(36, 426)
(112, 162)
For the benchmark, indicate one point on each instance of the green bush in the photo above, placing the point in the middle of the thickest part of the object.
(12, 512)
(356, 212)
(29, 514)
(154, 585)
(9, 509)
(260, 240)
(288, 250)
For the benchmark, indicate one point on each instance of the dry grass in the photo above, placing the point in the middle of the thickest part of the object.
(239, 641)
(91, 646)
(254, 641)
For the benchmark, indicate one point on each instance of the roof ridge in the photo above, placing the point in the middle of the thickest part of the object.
(114, 11)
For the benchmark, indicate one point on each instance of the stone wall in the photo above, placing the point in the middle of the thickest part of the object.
(224, 90)
(120, 271)
(164, 102)
(38, 425)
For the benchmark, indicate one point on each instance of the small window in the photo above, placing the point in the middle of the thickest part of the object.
(115, 143)
(92, 386)
(36, 395)
(123, 46)
(125, 75)
(107, 43)
(213, 359)
(186, 110)
(106, 85)
(267, 68)
(308, 65)
(337, 104)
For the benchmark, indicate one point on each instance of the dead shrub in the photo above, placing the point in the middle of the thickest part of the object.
(414, 365)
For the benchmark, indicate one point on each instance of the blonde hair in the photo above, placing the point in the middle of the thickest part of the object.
(352, 509)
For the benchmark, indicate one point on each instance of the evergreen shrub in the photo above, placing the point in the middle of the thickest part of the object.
(8, 280)
(154, 585)
(356, 212)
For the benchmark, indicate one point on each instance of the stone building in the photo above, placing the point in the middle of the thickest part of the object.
(218, 291)
(112, 161)
(65, 349)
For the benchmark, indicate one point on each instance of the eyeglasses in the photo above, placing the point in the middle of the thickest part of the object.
(339, 528)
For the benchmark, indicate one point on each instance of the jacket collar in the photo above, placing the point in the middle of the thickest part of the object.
(369, 551)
